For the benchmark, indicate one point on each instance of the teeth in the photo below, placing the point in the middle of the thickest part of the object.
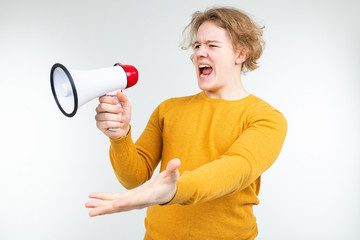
(204, 66)
(203, 75)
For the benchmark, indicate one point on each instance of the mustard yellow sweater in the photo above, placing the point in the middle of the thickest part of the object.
(224, 147)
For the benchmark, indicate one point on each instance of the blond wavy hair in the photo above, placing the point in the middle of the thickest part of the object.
(245, 34)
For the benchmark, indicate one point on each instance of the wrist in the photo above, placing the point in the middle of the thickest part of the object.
(171, 197)
(120, 134)
(125, 132)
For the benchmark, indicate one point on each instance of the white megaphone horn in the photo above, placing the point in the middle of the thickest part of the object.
(73, 88)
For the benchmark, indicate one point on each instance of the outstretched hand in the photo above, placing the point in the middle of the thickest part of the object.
(160, 191)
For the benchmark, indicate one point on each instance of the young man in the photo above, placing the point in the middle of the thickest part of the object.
(213, 146)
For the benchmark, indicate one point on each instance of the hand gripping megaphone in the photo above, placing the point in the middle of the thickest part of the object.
(73, 88)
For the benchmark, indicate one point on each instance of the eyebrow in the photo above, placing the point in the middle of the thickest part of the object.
(208, 41)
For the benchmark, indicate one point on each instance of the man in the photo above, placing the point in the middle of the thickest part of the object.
(213, 146)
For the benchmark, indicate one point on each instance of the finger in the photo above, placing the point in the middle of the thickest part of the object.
(124, 101)
(106, 107)
(104, 195)
(106, 209)
(96, 212)
(172, 168)
(108, 99)
(105, 125)
(94, 204)
(109, 117)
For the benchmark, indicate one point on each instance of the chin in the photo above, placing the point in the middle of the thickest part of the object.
(206, 85)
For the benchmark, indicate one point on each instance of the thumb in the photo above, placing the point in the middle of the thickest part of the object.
(124, 101)
(172, 169)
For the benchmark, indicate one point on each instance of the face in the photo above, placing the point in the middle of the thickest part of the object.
(217, 66)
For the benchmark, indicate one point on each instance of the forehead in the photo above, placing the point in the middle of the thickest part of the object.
(210, 31)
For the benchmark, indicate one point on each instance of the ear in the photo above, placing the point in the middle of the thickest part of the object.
(240, 56)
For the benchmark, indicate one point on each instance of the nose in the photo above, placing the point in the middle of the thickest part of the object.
(201, 52)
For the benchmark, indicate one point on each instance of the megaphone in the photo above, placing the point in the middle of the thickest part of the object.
(73, 88)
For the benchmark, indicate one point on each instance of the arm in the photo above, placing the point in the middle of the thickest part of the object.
(134, 164)
(160, 191)
(250, 155)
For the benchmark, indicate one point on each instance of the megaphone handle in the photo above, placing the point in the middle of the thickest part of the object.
(113, 94)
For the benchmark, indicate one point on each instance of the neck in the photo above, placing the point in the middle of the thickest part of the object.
(234, 91)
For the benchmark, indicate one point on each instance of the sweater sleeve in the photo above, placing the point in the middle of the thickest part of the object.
(248, 157)
(134, 163)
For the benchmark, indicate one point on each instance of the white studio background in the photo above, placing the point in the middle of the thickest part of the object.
(49, 164)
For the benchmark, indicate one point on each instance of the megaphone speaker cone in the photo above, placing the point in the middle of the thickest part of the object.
(64, 90)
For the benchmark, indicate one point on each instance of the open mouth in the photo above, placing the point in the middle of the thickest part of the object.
(205, 70)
